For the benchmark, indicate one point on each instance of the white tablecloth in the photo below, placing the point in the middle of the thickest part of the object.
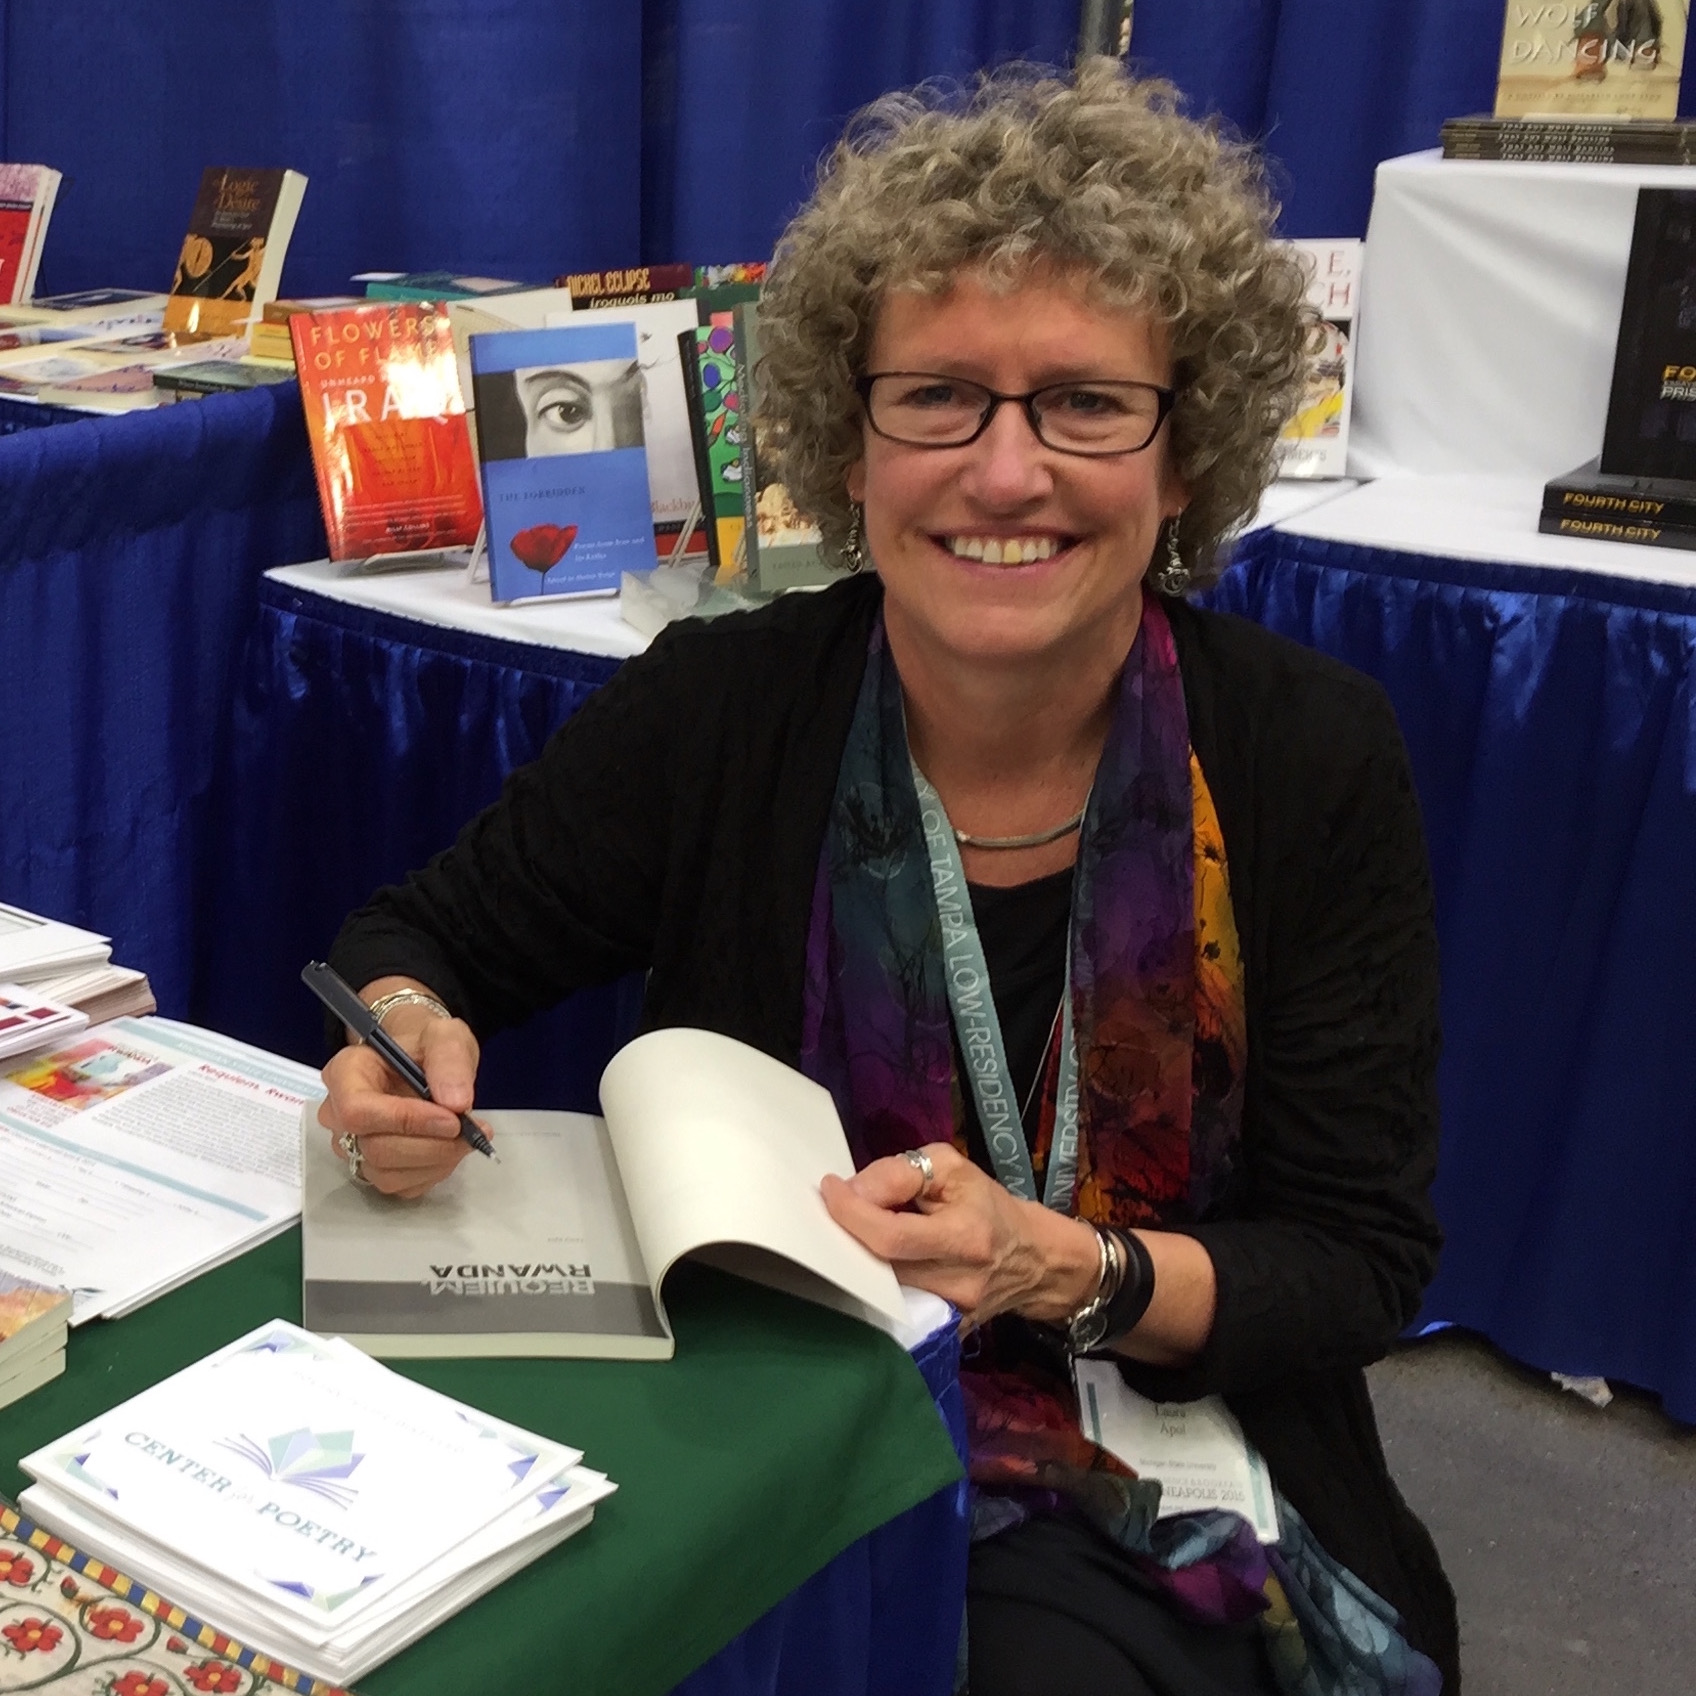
(1490, 306)
(593, 625)
(1479, 517)
(588, 626)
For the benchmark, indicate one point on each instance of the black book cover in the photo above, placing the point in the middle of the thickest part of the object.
(1590, 493)
(689, 348)
(1651, 428)
(1612, 530)
(1597, 150)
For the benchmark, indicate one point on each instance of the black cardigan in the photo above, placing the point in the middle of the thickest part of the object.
(674, 824)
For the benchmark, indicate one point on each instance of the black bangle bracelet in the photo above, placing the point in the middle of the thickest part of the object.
(1136, 1289)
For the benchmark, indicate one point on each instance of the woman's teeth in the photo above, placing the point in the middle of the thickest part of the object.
(1010, 550)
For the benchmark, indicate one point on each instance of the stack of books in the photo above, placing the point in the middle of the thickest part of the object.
(34, 1320)
(64, 963)
(316, 1505)
(1656, 511)
(1586, 141)
(270, 339)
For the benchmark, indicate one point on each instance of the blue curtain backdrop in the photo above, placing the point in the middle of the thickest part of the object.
(525, 137)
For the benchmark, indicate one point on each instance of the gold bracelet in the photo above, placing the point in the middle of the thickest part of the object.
(386, 1004)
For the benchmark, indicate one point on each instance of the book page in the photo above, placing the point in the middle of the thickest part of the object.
(536, 1246)
(141, 1153)
(720, 1144)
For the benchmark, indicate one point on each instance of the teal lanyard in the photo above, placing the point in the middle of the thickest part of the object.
(978, 1026)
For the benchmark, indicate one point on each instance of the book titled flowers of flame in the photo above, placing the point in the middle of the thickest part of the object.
(560, 433)
(390, 444)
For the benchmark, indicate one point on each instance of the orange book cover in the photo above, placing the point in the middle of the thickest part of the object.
(387, 425)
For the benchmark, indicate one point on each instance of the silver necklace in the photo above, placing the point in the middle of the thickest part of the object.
(1035, 840)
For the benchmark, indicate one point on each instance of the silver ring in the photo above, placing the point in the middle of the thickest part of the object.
(920, 1162)
(348, 1143)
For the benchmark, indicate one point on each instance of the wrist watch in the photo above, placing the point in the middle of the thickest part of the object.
(1086, 1328)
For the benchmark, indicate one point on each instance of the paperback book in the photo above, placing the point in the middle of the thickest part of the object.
(1591, 58)
(1315, 442)
(526, 309)
(29, 1020)
(1595, 141)
(321, 1507)
(560, 436)
(1651, 422)
(99, 311)
(431, 285)
(709, 1149)
(674, 495)
(715, 424)
(220, 376)
(34, 1321)
(390, 445)
(232, 257)
(27, 194)
(781, 546)
(630, 287)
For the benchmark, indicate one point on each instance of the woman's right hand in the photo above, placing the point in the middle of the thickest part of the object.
(408, 1145)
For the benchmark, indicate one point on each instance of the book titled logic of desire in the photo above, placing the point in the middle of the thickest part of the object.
(709, 1149)
(1591, 58)
(232, 257)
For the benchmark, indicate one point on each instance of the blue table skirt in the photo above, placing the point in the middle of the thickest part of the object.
(359, 744)
(1549, 720)
(130, 552)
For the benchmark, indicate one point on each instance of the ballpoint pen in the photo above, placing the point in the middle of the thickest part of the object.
(333, 990)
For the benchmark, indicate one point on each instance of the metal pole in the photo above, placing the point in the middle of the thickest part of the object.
(1104, 26)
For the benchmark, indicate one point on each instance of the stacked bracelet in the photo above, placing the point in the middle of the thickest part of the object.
(1129, 1301)
(386, 1004)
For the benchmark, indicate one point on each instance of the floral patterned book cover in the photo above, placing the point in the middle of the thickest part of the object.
(72, 1625)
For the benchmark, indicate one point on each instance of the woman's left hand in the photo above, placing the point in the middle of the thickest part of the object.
(971, 1241)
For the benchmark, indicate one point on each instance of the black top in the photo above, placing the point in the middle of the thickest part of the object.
(674, 823)
(1023, 931)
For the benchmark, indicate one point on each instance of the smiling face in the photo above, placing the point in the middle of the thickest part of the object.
(1006, 549)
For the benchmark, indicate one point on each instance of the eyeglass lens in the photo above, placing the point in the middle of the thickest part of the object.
(1081, 417)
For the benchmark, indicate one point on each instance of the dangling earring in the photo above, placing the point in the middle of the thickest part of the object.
(853, 552)
(1173, 577)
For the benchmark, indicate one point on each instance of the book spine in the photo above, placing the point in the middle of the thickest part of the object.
(637, 283)
(1619, 509)
(747, 356)
(1609, 530)
(1577, 150)
(689, 350)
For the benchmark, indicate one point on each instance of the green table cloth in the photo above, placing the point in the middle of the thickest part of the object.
(780, 1434)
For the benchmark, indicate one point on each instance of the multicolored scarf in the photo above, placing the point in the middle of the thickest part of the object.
(1157, 1005)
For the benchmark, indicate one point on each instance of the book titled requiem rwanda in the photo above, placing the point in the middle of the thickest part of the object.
(565, 468)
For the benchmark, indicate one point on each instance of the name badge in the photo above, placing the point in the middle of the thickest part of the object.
(1195, 1450)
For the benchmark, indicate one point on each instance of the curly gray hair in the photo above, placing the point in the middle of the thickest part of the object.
(1099, 174)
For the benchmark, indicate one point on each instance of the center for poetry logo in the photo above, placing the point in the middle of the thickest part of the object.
(310, 1460)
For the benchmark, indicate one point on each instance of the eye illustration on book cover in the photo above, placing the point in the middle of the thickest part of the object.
(559, 416)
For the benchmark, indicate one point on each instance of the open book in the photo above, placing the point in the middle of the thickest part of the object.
(709, 1149)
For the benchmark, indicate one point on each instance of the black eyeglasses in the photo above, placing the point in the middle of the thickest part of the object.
(1094, 418)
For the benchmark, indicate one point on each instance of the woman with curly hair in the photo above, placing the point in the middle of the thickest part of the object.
(1105, 919)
